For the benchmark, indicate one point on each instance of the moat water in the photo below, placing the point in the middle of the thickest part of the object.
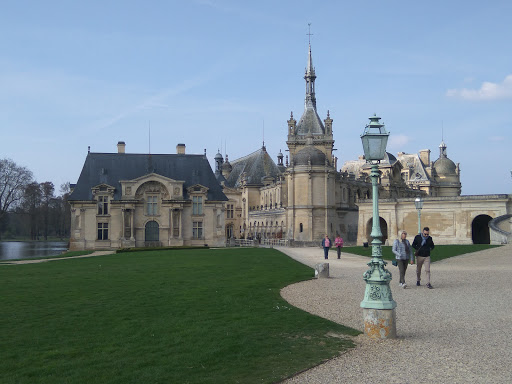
(10, 250)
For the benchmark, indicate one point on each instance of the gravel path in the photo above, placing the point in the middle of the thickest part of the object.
(458, 332)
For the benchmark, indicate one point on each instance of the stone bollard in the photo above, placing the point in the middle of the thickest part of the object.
(321, 270)
(380, 323)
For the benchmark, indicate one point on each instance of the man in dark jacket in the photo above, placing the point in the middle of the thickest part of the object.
(423, 244)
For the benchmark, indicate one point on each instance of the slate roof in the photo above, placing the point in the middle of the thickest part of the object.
(110, 168)
(254, 167)
(310, 122)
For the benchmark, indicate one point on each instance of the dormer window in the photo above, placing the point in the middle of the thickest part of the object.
(102, 205)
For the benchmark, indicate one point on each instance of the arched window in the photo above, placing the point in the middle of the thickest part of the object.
(301, 227)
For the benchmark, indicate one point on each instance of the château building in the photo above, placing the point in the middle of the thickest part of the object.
(124, 200)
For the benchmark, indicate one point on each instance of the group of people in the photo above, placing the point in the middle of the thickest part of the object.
(403, 250)
(327, 244)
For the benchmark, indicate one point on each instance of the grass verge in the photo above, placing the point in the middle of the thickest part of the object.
(440, 252)
(188, 316)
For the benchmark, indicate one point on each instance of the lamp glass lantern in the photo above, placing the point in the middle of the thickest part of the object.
(375, 140)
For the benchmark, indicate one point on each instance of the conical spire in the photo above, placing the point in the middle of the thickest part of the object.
(310, 77)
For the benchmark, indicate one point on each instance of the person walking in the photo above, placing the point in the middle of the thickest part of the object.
(423, 244)
(326, 243)
(338, 243)
(404, 255)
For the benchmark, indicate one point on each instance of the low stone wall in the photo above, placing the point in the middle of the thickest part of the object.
(498, 230)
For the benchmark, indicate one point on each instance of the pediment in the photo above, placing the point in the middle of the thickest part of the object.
(155, 184)
(197, 189)
(103, 188)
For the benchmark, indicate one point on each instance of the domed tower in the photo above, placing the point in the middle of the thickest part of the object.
(446, 174)
(218, 167)
(311, 207)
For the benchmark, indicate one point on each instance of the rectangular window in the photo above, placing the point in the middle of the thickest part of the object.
(197, 229)
(230, 211)
(127, 225)
(152, 206)
(102, 205)
(197, 205)
(176, 224)
(102, 231)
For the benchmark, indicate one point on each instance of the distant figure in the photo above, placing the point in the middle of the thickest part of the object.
(326, 243)
(423, 244)
(338, 243)
(404, 255)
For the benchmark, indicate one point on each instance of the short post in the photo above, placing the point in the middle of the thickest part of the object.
(419, 205)
(321, 270)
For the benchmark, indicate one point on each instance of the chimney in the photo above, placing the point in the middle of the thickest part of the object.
(121, 147)
(180, 149)
(425, 157)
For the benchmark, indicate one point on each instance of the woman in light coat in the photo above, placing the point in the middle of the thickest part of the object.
(404, 255)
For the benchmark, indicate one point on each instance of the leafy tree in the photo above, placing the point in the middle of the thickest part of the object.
(13, 180)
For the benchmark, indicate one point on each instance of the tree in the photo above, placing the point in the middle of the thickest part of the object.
(47, 189)
(31, 203)
(13, 180)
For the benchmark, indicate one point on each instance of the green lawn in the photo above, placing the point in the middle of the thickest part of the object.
(188, 316)
(440, 252)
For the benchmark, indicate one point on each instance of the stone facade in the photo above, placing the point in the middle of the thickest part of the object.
(452, 220)
(130, 200)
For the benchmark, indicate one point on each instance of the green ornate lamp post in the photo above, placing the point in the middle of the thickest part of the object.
(378, 304)
(419, 205)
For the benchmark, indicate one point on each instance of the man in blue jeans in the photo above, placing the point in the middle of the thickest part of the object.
(423, 244)
(326, 243)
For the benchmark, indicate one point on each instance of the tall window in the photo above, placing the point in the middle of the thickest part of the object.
(152, 206)
(230, 211)
(197, 205)
(197, 229)
(127, 225)
(102, 205)
(102, 231)
(176, 224)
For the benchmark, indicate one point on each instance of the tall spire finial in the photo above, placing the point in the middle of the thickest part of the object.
(310, 77)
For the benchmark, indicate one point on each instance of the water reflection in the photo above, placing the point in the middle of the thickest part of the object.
(29, 249)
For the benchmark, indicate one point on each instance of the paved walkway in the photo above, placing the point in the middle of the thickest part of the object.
(458, 332)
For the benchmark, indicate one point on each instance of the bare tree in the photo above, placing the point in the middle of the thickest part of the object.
(47, 189)
(13, 180)
(31, 204)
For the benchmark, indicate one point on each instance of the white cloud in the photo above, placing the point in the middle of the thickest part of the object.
(488, 91)
(398, 142)
(496, 138)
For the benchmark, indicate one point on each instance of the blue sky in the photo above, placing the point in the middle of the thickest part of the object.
(216, 74)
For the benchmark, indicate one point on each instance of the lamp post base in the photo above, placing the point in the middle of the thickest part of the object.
(379, 323)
